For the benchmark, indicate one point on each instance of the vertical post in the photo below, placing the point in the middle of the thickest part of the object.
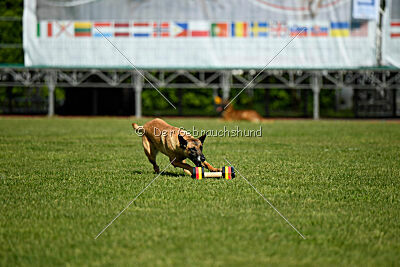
(378, 41)
(316, 88)
(214, 92)
(51, 85)
(225, 85)
(138, 87)
(337, 99)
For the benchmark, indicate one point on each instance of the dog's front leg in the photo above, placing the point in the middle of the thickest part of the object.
(210, 167)
(186, 167)
(186, 171)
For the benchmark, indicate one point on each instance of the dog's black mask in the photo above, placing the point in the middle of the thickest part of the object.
(198, 159)
(193, 149)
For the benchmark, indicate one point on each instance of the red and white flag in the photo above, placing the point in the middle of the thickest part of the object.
(394, 29)
(199, 29)
(121, 29)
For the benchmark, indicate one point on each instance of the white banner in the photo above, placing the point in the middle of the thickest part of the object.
(391, 34)
(366, 9)
(192, 34)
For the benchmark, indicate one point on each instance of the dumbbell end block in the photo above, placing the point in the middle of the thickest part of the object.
(198, 173)
(227, 173)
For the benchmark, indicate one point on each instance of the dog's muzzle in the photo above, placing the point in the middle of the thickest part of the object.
(198, 160)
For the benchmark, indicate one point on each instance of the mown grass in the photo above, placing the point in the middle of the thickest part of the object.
(63, 180)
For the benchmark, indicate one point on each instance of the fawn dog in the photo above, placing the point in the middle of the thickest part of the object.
(175, 143)
(230, 114)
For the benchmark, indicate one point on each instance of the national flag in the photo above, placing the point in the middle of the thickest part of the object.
(319, 31)
(394, 29)
(298, 31)
(62, 29)
(219, 29)
(278, 29)
(239, 29)
(340, 29)
(161, 29)
(83, 29)
(104, 27)
(142, 29)
(44, 29)
(259, 29)
(359, 29)
(121, 29)
(199, 28)
(179, 29)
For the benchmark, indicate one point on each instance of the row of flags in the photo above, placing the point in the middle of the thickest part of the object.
(395, 29)
(198, 29)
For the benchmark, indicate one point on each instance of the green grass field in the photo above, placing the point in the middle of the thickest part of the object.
(63, 180)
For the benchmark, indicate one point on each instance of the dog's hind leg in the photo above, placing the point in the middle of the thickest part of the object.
(151, 152)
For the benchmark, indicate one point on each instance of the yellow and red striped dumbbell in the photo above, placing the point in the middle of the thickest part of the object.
(227, 173)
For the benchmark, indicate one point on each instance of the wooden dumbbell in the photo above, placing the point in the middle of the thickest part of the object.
(227, 173)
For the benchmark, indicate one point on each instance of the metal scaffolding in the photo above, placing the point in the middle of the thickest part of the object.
(379, 79)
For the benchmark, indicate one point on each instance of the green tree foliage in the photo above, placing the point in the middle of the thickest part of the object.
(11, 31)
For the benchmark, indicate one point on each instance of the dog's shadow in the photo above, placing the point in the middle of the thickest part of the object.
(167, 173)
(174, 174)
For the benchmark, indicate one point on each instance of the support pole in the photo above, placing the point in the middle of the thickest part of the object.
(138, 87)
(378, 31)
(51, 85)
(316, 88)
(225, 85)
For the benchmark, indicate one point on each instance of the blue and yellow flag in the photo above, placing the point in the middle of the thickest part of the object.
(259, 29)
(340, 29)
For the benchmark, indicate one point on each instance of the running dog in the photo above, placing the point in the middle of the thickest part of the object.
(175, 143)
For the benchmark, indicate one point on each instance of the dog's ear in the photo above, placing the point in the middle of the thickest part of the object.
(202, 138)
(182, 141)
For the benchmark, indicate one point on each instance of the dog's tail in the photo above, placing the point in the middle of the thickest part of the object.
(138, 129)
